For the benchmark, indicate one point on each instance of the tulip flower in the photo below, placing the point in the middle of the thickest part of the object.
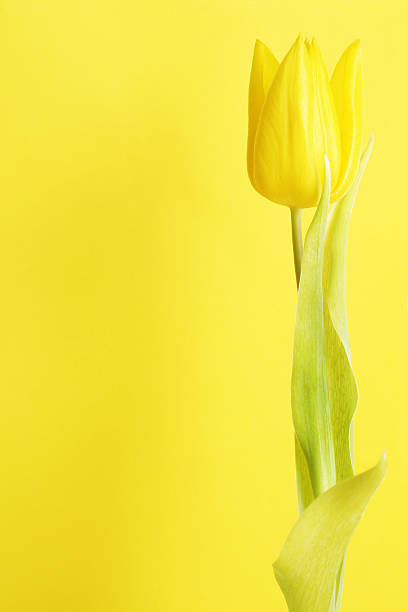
(297, 116)
(304, 150)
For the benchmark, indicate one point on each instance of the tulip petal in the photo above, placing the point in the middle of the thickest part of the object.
(328, 129)
(309, 561)
(285, 165)
(264, 67)
(346, 84)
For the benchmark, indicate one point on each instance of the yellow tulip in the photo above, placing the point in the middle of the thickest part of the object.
(297, 116)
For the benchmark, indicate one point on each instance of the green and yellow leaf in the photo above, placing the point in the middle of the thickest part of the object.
(309, 562)
(324, 397)
(310, 396)
(342, 386)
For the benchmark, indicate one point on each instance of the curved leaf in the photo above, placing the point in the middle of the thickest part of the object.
(304, 488)
(310, 397)
(342, 387)
(309, 562)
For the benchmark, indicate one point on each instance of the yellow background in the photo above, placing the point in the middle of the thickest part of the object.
(148, 300)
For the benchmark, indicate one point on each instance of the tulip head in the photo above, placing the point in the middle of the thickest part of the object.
(297, 116)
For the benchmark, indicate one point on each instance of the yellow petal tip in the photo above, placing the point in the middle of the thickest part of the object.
(300, 40)
(355, 47)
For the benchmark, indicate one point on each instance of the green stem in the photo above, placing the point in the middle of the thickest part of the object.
(297, 240)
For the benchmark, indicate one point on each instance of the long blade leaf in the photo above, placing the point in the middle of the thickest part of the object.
(342, 386)
(309, 562)
(310, 398)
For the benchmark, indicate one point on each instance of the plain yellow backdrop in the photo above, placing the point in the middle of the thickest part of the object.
(147, 308)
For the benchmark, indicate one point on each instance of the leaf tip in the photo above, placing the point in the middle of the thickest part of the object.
(383, 462)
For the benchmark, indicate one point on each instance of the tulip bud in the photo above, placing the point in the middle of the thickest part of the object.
(296, 116)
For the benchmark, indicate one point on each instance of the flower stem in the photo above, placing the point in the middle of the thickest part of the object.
(297, 240)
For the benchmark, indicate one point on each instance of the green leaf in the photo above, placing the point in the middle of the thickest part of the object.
(304, 487)
(310, 396)
(340, 381)
(309, 562)
(342, 386)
